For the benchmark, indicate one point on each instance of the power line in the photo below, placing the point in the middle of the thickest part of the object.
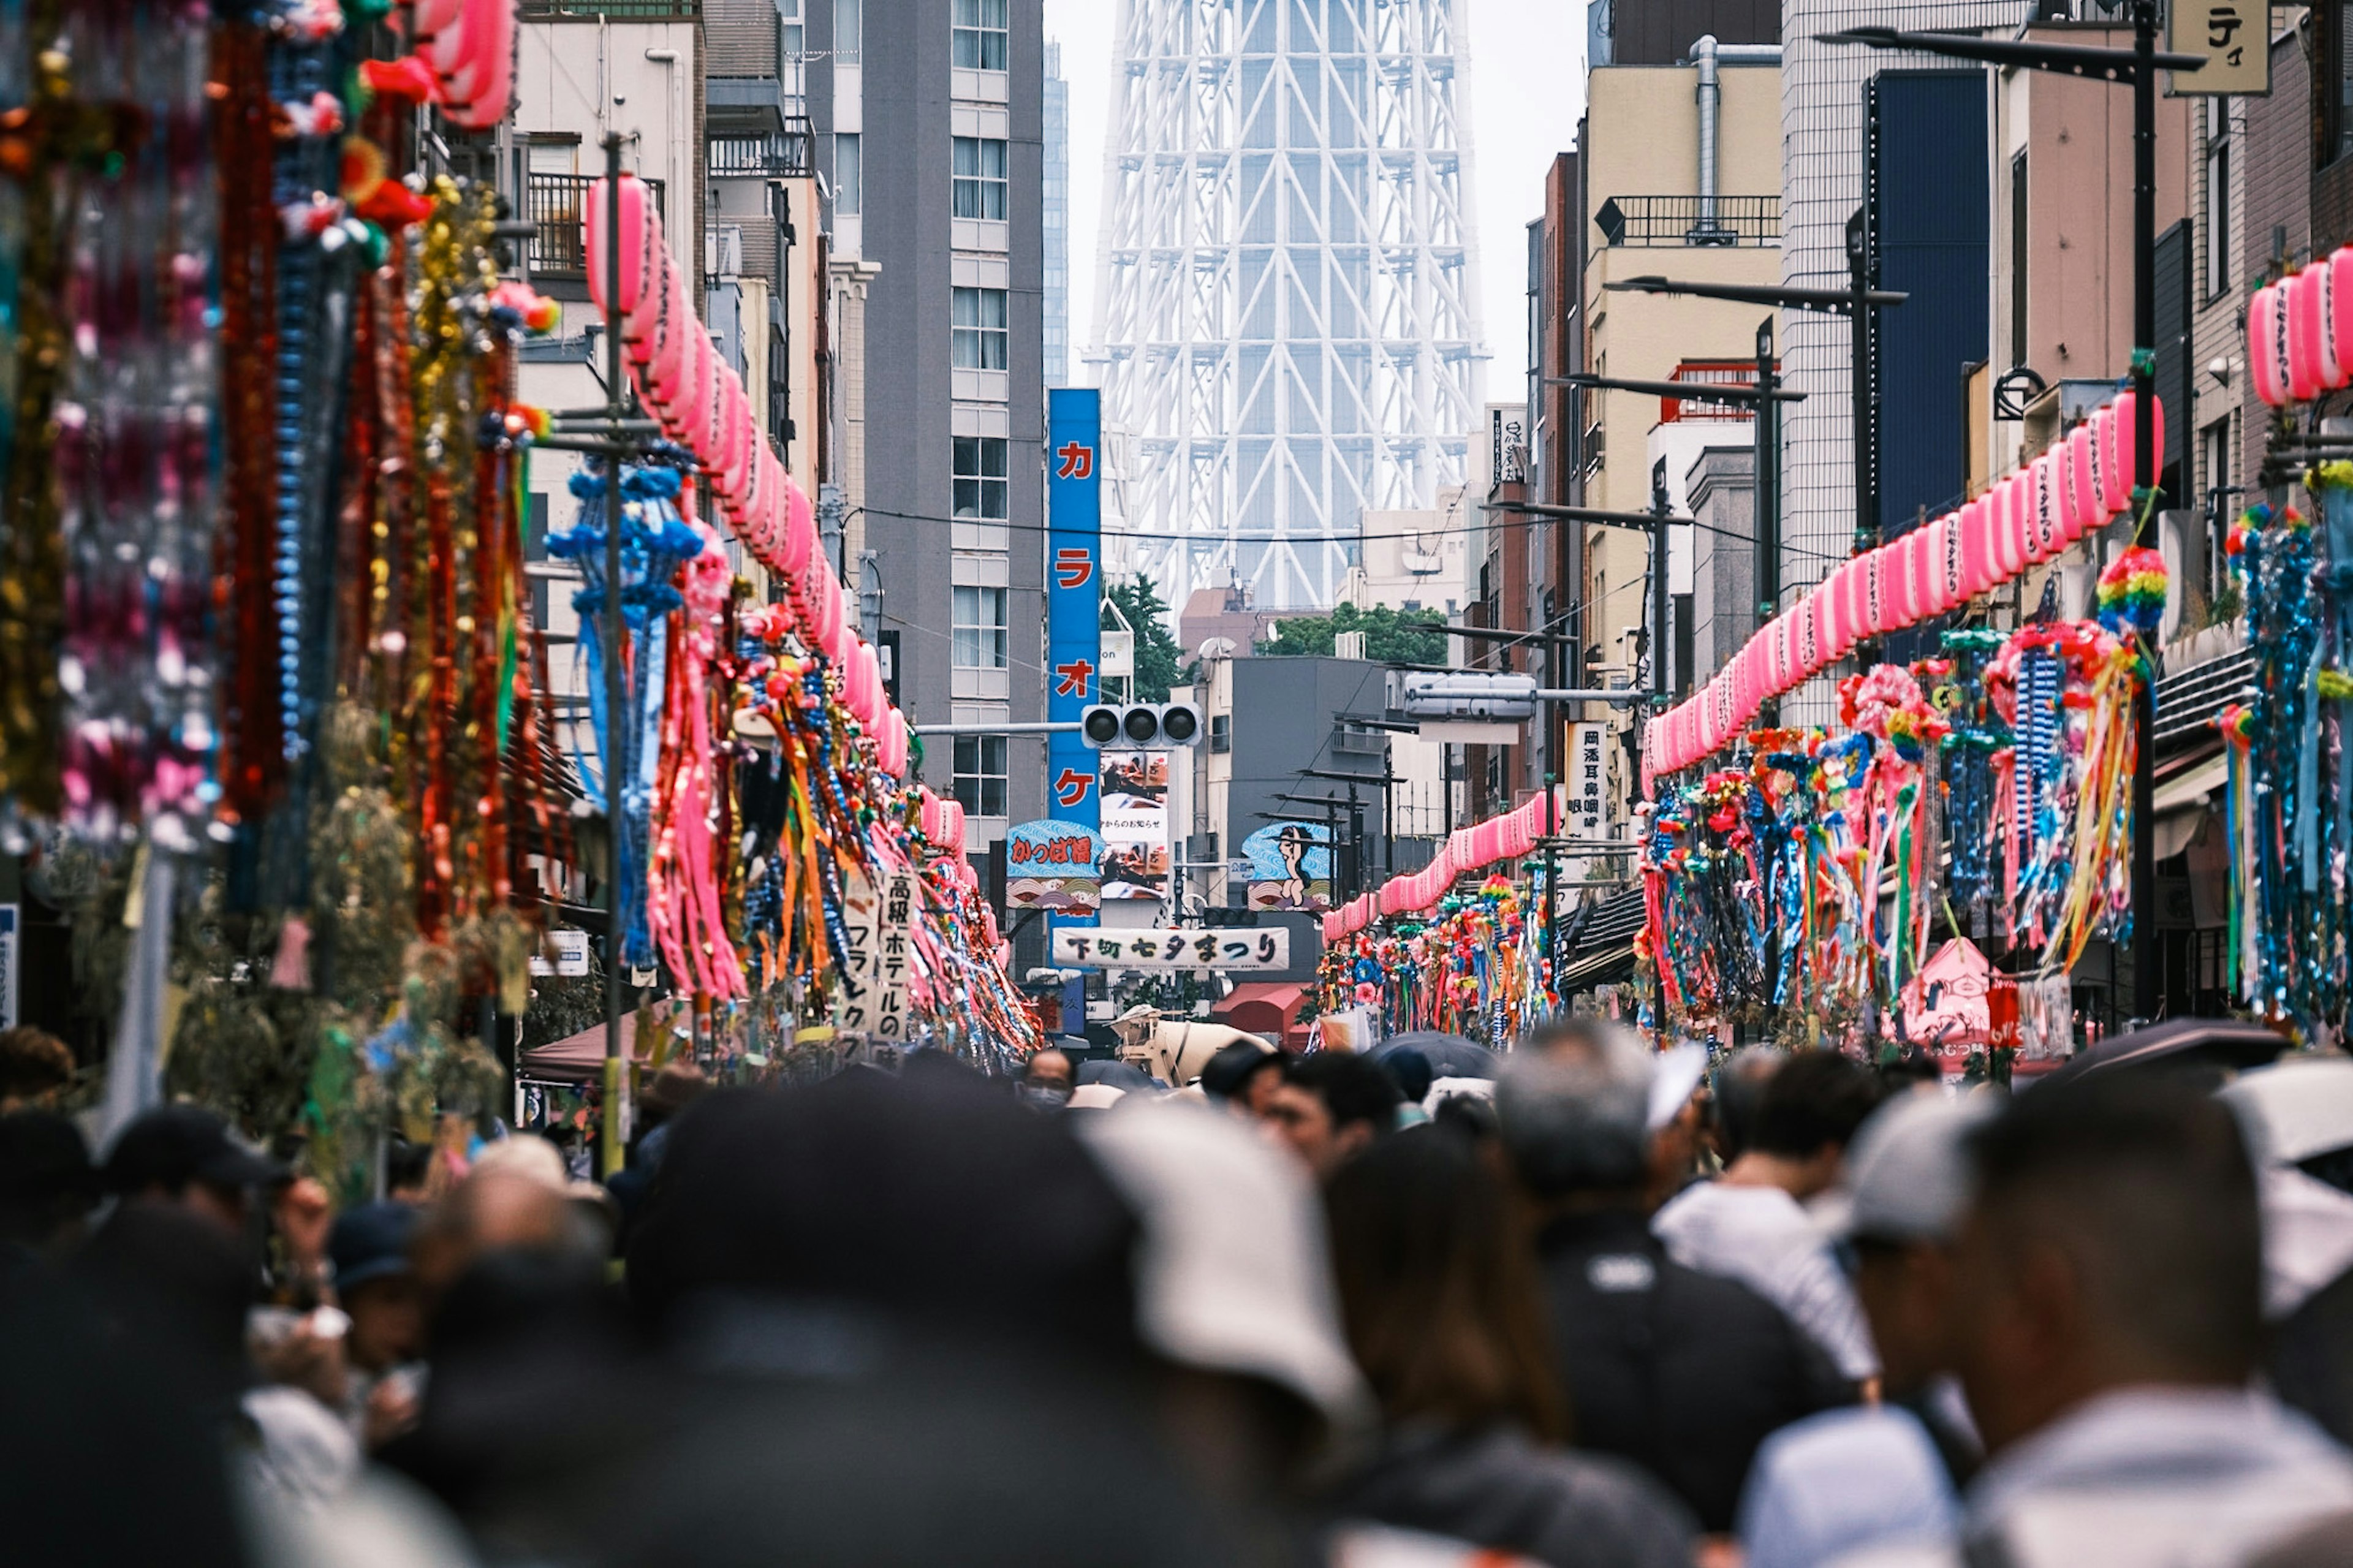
(1333, 540)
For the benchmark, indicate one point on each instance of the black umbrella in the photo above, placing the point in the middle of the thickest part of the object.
(1450, 1056)
(2178, 1045)
(1119, 1075)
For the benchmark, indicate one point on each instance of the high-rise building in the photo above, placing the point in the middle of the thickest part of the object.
(1286, 318)
(1054, 213)
(1824, 94)
(935, 209)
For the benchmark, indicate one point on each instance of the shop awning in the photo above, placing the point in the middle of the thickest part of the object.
(2181, 800)
(1267, 1007)
(577, 1059)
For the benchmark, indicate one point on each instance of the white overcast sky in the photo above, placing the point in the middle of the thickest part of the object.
(1525, 87)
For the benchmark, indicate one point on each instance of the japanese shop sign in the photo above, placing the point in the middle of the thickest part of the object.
(2235, 37)
(1051, 865)
(1264, 949)
(1074, 594)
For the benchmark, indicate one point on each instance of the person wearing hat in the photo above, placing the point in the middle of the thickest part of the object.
(1886, 1474)
(375, 1284)
(2298, 1119)
(184, 1155)
(1683, 1372)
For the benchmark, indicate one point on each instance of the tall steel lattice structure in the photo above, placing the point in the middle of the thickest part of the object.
(1285, 310)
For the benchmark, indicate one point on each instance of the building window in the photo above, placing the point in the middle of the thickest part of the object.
(1221, 733)
(2218, 196)
(2214, 448)
(847, 178)
(980, 178)
(980, 478)
(979, 627)
(979, 338)
(980, 774)
(980, 35)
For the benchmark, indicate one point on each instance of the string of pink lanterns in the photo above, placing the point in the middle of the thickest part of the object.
(2025, 518)
(700, 404)
(1505, 837)
(2300, 333)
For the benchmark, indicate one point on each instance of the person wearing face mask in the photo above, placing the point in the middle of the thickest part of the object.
(1046, 1080)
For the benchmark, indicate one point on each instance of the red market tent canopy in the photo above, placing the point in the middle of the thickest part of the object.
(1266, 1007)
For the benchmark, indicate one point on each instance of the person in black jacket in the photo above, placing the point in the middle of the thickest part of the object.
(1682, 1373)
(1442, 1313)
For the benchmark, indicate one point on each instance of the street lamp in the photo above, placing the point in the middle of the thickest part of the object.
(2135, 68)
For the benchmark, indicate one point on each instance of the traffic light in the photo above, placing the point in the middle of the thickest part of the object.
(1140, 725)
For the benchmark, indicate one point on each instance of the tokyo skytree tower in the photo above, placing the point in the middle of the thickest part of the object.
(1286, 315)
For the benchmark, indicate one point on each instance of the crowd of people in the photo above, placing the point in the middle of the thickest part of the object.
(1613, 1306)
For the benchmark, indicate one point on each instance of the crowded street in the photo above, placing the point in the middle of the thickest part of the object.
(872, 782)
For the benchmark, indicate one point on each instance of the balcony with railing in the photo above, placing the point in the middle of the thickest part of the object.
(556, 206)
(1654, 221)
(775, 155)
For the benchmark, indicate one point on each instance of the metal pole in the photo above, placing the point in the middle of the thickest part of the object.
(1658, 585)
(2146, 992)
(1859, 345)
(616, 1076)
(1551, 890)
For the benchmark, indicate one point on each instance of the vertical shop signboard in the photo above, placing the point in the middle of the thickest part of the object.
(1074, 589)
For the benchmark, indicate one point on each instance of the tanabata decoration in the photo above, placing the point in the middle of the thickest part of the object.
(2287, 807)
(1991, 782)
(1471, 968)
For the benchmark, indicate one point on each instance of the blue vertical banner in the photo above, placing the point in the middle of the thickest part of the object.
(1074, 589)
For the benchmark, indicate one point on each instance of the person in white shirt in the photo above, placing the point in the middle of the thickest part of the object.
(2109, 1297)
(1751, 1224)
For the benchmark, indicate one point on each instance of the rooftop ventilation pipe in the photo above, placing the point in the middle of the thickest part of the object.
(1708, 55)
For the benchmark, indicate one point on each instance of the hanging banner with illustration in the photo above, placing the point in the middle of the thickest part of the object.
(1135, 790)
(1289, 865)
(1052, 865)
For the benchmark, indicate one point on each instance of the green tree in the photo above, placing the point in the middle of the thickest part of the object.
(1391, 636)
(1159, 661)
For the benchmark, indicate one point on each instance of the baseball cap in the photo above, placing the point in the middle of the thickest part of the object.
(1675, 1073)
(1909, 1178)
(2296, 1108)
(371, 1242)
(176, 1144)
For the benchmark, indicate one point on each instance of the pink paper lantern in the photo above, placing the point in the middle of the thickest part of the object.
(2340, 305)
(2083, 513)
(1812, 632)
(2014, 503)
(1840, 626)
(640, 241)
(2267, 345)
(2127, 435)
(2042, 525)
(2312, 367)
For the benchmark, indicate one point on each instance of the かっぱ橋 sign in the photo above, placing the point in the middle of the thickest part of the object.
(1051, 865)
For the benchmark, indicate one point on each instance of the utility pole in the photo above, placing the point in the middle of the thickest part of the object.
(611, 1144)
(1767, 475)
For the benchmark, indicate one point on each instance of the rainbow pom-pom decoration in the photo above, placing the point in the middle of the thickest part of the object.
(2132, 593)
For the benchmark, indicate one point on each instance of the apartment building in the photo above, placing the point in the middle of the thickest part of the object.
(926, 119)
